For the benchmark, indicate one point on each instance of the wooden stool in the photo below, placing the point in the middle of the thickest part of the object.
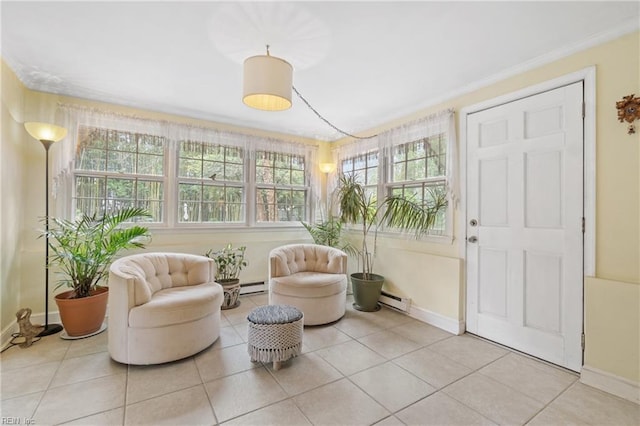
(275, 334)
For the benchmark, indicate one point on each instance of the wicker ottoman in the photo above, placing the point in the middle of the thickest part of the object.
(275, 334)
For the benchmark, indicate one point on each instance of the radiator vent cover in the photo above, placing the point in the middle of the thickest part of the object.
(396, 302)
(251, 288)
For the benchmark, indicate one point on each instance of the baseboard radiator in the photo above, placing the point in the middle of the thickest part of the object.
(396, 302)
(251, 288)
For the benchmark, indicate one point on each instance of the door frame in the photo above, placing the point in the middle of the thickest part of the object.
(586, 75)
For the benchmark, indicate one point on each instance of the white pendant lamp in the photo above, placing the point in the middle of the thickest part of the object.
(267, 83)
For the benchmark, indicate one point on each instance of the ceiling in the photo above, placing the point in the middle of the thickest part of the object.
(359, 64)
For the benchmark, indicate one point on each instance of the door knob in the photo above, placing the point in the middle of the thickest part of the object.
(472, 239)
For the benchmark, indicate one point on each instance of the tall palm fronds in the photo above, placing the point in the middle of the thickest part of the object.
(363, 210)
(84, 248)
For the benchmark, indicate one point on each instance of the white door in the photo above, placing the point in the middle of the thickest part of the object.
(524, 224)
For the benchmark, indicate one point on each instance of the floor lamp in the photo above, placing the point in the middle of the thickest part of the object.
(48, 134)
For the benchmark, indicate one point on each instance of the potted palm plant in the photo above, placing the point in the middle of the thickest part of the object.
(330, 233)
(83, 250)
(361, 209)
(229, 262)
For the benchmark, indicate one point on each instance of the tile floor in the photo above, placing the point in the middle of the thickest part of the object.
(369, 368)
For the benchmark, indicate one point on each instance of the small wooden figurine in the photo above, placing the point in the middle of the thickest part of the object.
(27, 330)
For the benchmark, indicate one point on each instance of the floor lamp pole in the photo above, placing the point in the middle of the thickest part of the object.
(48, 328)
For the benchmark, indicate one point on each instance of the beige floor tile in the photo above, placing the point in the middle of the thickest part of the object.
(258, 299)
(440, 409)
(533, 378)
(389, 344)
(235, 395)
(26, 380)
(149, 381)
(88, 346)
(388, 318)
(350, 357)
(228, 337)
(596, 407)
(106, 418)
(390, 421)
(86, 367)
(185, 407)
(280, 414)
(242, 330)
(390, 385)
(322, 336)
(21, 407)
(421, 333)
(47, 349)
(435, 369)
(82, 399)
(469, 351)
(224, 362)
(340, 403)
(357, 325)
(555, 416)
(305, 372)
(494, 400)
(239, 315)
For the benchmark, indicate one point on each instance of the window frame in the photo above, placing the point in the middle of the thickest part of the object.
(171, 180)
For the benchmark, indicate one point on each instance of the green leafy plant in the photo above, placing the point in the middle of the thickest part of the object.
(361, 209)
(330, 233)
(84, 248)
(229, 261)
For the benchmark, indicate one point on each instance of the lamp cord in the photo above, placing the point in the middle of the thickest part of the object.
(327, 121)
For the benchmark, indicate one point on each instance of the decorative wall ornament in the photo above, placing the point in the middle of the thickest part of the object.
(629, 111)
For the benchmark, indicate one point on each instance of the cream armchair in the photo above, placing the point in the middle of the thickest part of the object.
(310, 277)
(162, 307)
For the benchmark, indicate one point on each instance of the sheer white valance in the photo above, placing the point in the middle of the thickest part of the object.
(72, 117)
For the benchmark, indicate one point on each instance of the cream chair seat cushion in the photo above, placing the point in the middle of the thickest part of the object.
(310, 277)
(162, 307)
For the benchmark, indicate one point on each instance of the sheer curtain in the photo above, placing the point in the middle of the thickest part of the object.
(74, 116)
(437, 123)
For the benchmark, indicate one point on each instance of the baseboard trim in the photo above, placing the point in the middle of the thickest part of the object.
(5, 338)
(437, 320)
(610, 383)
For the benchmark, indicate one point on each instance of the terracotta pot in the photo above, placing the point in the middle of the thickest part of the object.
(81, 317)
(231, 289)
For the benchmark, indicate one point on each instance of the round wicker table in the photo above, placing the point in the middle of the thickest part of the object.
(275, 334)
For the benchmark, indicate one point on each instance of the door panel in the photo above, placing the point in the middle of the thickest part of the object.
(525, 188)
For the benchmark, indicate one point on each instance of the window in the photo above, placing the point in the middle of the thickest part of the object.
(418, 172)
(197, 177)
(281, 187)
(414, 161)
(365, 169)
(116, 169)
(210, 183)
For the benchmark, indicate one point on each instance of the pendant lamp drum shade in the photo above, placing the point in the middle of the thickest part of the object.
(267, 83)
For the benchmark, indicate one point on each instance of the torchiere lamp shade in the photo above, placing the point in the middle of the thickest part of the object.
(267, 83)
(45, 131)
(328, 167)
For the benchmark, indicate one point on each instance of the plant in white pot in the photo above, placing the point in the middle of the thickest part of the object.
(83, 250)
(229, 262)
(363, 210)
